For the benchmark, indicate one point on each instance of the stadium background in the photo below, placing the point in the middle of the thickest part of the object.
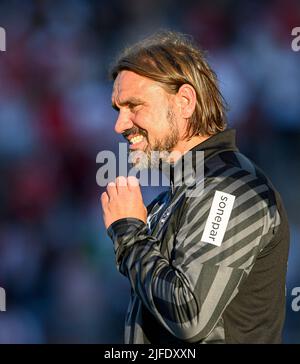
(56, 262)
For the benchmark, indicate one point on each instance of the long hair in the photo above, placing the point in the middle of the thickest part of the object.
(172, 59)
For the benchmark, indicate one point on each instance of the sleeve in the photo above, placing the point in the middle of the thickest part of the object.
(189, 294)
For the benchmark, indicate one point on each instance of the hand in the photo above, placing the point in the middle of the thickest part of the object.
(123, 198)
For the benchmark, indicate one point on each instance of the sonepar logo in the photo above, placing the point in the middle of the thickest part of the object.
(2, 40)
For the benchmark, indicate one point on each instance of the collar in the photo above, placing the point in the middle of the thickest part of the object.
(223, 141)
(220, 142)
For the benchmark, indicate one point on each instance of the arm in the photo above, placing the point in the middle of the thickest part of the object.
(189, 294)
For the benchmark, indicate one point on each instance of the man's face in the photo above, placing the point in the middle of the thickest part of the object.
(147, 116)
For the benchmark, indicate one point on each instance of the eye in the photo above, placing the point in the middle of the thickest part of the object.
(133, 107)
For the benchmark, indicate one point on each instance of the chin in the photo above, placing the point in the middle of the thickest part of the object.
(139, 159)
(140, 166)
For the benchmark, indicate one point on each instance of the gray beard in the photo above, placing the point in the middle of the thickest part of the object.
(159, 152)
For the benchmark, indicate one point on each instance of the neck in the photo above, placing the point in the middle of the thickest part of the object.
(184, 146)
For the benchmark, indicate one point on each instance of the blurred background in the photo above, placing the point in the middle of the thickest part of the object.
(56, 262)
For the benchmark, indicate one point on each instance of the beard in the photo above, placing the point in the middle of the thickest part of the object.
(157, 152)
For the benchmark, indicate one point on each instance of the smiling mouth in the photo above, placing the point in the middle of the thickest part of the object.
(137, 141)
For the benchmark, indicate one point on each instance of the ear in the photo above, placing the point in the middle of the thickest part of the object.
(187, 98)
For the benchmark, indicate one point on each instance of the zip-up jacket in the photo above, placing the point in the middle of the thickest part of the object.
(209, 266)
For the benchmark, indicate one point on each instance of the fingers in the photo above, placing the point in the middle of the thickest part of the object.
(111, 190)
(134, 186)
(133, 183)
(121, 183)
(105, 208)
(104, 199)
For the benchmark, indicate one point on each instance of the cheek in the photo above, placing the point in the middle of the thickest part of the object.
(154, 124)
(143, 122)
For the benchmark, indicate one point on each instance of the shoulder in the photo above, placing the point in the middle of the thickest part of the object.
(234, 174)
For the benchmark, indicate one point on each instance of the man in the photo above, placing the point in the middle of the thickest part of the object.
(208, 267)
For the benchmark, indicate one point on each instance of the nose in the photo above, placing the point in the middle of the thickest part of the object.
(123, 123)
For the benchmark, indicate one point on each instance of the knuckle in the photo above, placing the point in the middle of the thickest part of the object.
(133, 181)
(121, 181)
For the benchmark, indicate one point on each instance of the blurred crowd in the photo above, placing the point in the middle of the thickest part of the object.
(56, 261)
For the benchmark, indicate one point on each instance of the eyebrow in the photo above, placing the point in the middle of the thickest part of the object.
(132, 101)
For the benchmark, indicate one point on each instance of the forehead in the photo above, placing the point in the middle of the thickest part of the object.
(129, 84)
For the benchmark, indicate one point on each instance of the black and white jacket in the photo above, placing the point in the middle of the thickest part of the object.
(208, 267)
